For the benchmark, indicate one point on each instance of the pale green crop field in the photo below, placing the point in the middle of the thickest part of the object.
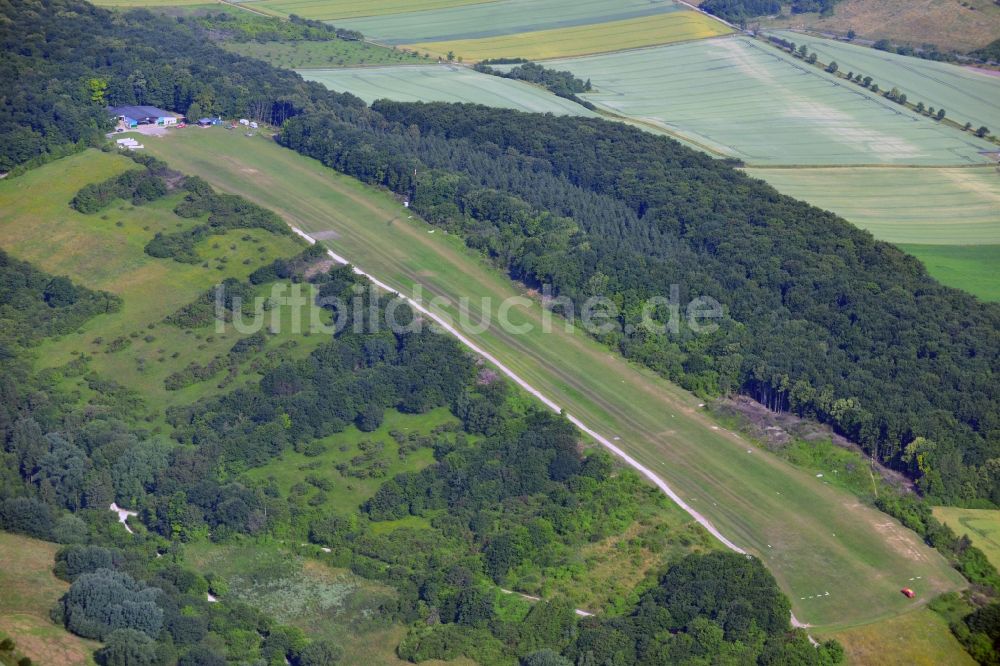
(747, 100)
(968, 95)
(814, 537)
(442, 83)
(900, 205)
(325, 10)
(500, 17)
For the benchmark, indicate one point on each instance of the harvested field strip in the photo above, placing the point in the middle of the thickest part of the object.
(585, 39)
(767, 108)
(967, 94)
(443, 83)
(325, 10)
(502, 17)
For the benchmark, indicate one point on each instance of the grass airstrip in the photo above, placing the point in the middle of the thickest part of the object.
(840, 562)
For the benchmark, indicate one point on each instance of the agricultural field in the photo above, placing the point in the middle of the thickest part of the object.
(352, 486)
(332, 53)
(585, 39)
(28, 591)
(105, 251)
(747, 100)
(918, 638)
(974, 268)
(945, 217)
(328, 10)
(981, 525)
(815, 538)
(947, 24)
(500, 17)
(443, 83)
(920, 206)
(968, 95)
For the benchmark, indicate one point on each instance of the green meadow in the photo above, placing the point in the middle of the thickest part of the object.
(332, 53)
(814, 537)
(133, 346)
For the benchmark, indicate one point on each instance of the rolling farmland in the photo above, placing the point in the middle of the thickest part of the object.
(815, 538)
(501, 17)
(747, 100)
(584, 39)
(969, 95)
(443, 83)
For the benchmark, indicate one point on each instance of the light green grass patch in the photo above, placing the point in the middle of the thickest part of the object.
(105, 251)
(918, 638)
(976, 269)
(28, 591)
(500, 17)
(443, 83)
(332, 53)
(745, 99)
(814, 537)
(981, 525)
(968, 95)
(348, 492)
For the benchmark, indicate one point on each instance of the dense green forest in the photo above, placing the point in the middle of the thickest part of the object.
(820, 319)
(561, 83)
(509, 494)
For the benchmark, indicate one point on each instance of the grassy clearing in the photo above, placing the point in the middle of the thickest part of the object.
(976, 269)
(326, 10)
(323, 601)
(501, 17)
(918, 638)
(585, 39)
(348, 490)
(814, 537)
(105, 251)
(28, 590)
(443, 83)
(982, 526)
(947, 24)
(333, 53)
(967, 94)
(750, 101)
